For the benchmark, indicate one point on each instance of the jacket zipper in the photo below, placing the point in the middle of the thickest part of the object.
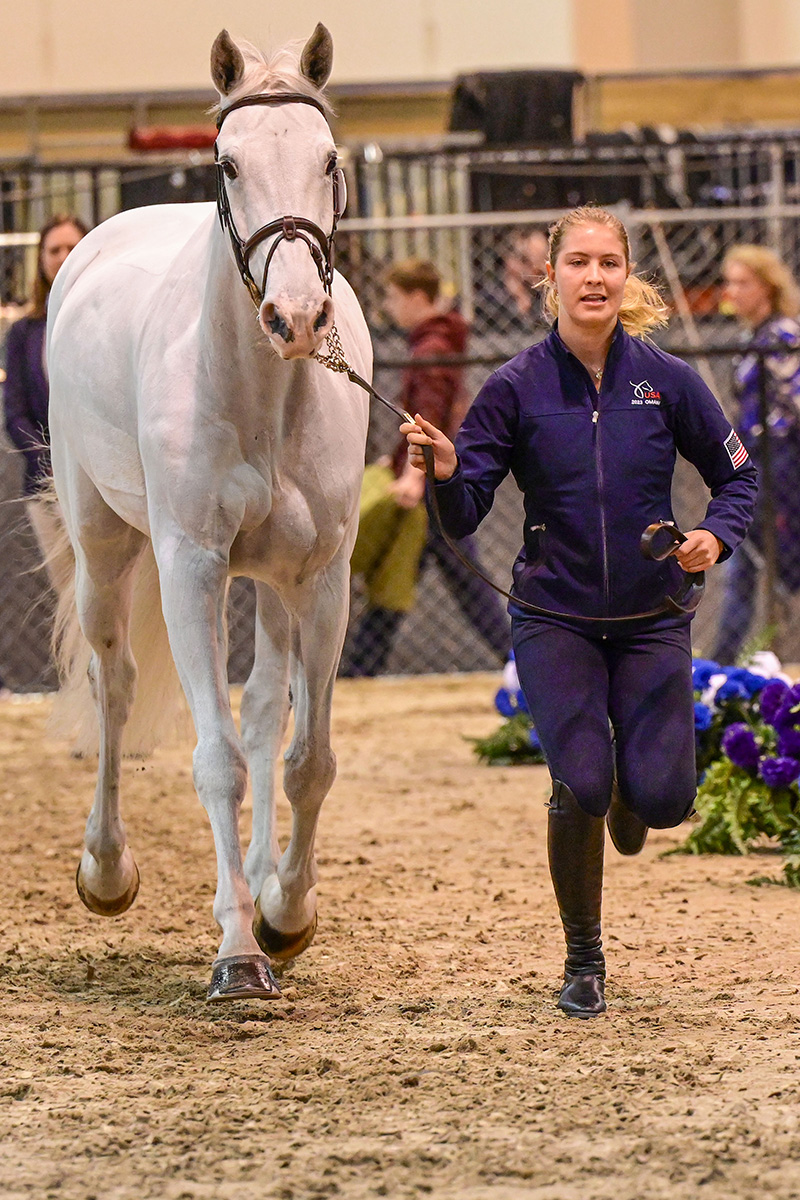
(598, 459)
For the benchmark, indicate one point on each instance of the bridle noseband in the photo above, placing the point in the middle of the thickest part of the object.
(288, 228)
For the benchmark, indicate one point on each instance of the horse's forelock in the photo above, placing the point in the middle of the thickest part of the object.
(277, 72)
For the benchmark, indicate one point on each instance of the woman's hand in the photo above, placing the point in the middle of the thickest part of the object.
(409, 488)
(699, 552)
(422, 433)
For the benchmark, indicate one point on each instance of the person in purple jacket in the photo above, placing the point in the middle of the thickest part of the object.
(589, 422)
(26, 392)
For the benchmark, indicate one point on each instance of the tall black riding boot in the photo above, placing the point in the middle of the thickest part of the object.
(575, 844)
(627, 831)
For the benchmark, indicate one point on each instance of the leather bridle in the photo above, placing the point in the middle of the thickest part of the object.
(288, 228)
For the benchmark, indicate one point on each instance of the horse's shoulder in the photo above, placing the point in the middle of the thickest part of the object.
(145, 238)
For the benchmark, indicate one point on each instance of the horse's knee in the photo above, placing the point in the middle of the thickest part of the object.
(309, 773)
(219, 768)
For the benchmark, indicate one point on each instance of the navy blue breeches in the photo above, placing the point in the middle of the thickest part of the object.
(575, 682)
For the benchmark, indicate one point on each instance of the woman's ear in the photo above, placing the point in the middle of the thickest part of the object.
(551, 273)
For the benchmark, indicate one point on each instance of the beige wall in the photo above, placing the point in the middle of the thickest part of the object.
(612, 36)
(50, 46)
(769, 32)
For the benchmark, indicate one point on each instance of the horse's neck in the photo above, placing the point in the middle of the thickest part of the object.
(244, 371)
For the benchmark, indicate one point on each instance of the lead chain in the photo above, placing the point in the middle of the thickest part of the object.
(335, 360)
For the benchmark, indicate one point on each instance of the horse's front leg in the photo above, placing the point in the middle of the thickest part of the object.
(286, 910)
(193, 589)
(265, 714)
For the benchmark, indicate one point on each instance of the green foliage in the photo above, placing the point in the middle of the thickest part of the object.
(510, 744)
(738, 811)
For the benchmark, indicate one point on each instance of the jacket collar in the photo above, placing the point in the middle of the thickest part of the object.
(615, 350)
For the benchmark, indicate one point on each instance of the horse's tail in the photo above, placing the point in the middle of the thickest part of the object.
(159, 709)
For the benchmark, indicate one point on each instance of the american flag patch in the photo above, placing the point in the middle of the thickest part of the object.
(736, 451)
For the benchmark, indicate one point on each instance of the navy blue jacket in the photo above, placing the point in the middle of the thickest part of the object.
(595, 470)
(25, 398)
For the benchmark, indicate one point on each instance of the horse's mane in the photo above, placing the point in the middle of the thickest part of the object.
(276, 72)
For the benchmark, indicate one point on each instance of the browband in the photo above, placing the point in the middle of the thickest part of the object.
(271, 98)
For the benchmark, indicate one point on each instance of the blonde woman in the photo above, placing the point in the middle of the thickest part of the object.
(761, 293)
(589, 422)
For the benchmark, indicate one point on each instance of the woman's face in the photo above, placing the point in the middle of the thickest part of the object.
(56, 246)
(746, 293)
(589, 273)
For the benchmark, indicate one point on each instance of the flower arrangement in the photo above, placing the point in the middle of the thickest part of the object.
(516, 740)
(747, 731)
(747, 725)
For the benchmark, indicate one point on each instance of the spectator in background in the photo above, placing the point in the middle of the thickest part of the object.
(26, 391)
(760, 291)
(393, 537)
(524, 268)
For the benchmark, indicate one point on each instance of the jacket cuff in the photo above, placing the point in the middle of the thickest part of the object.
(443, 484)
(729, 542)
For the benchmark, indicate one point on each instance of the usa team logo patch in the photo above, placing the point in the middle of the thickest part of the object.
(736, 451)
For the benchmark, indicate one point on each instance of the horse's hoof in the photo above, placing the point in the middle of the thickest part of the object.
(281, 947)
(243, 977)
(107, 908)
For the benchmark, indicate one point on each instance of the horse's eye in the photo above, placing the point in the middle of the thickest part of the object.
(230, 169)
(331, 164)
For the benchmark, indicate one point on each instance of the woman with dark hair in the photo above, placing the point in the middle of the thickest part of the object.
(26, 390)
(589, 422)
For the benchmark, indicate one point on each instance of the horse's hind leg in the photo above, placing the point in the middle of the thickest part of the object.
(286, 911)
(105, 563)
(265, 713)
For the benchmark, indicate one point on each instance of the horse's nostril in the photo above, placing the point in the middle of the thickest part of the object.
(321, 321)
(279, 327)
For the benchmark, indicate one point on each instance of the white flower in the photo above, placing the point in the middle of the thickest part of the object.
(510, 677)
(765, 663)
(714, 684)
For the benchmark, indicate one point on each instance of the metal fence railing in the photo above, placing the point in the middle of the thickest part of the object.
(490, 262)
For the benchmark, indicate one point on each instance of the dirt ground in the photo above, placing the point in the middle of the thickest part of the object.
(417, 1050)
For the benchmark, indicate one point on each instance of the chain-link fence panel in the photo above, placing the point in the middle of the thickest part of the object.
(490, 264)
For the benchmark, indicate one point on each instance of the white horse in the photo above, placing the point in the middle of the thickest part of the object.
(190, 428)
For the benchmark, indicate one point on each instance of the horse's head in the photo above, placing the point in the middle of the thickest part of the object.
(279, 185)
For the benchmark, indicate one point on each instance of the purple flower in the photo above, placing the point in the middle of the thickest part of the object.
(741, 747)
(751, 682)
(771, 699)
(780, 772)
(731, 689)
(702, 670)
(789, 743)
(504, 703)
(703, 716)
(788, 714)
(521, 702)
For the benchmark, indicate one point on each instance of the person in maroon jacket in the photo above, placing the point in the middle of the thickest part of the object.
(413, 301)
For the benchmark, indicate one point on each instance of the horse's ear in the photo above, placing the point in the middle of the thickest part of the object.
(316, 61)
(227, 63)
